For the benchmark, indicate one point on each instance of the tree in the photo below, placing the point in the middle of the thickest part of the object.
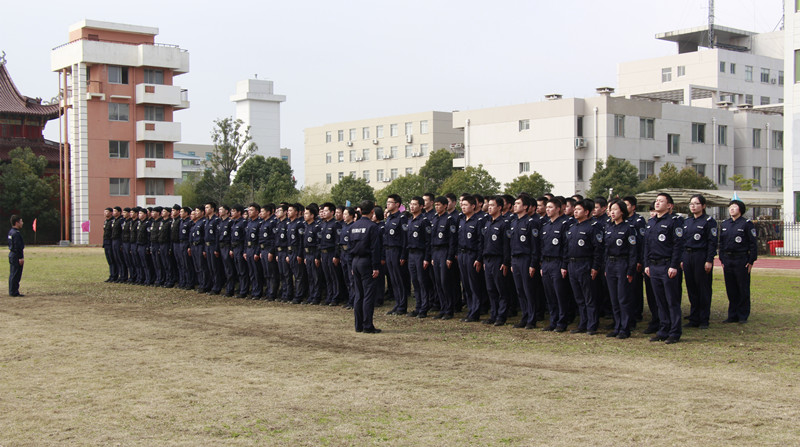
(474, 180)
(25, 191)
(232, 146)
(437, 169)
(670, 177)
(352, 189)
(211, 188)
(743, 184)
(534, 184)
(406, 187)
(616, 173)
(187, 189)
(314, 193)
(264, 180)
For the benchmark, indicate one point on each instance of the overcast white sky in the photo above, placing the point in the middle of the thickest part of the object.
(346, 60)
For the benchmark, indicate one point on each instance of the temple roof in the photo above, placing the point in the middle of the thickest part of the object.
(13, 102)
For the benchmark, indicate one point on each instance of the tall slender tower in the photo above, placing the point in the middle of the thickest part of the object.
(260, 108)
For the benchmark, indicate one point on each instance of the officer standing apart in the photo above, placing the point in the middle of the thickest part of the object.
(16, 255)
(663, 250)
(738, 251)
(365, 247)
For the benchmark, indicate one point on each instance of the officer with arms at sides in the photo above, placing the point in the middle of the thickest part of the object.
(470, 256)
(496, 258)
(700, 232)
(419, 257)
(584, 255)
(365, 248)
(16, 255)
(396, 252)
(621, 242)
(738, 250)
(553, 249)
(108, 225)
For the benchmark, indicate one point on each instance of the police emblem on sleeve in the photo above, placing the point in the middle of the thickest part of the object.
(535, 232)
(641, 231)
(452, 228)
(581, 242)
(632, 240)
(599, 237)
(738, 239)
(405, 227)
(662, 237)
(697, 236)
(494, 237)
(555, 241)
(415, 234)
(310, 239)
(522, 238)
(301, 231)
(753, 232)
(714, 231)
(619, 242)
(429, 229)
(679, 231)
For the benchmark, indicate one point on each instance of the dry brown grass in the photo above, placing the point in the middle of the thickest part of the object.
(88, 363)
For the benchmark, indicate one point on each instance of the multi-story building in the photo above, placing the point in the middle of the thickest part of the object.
(377, 149)
(791, 156)
(119, 90)
(260, 109)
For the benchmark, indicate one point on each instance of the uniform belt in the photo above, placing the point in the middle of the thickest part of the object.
(393, 246)
(581, 258)
(617, 258)
(735, 253)
(691, 250)
(249, 243)
(263, 246)
(439, 247)
(521, 255)
(208, 244)
(280, 248)
(326, 250)
(290, 249)
(659, 261)
(466, 250)
(415, 250)
(236, 244)
(310, 249)
(344, 247)
(197, 243)
(550, 258)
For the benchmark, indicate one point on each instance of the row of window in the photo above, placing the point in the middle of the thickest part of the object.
(380, 153)
(647, 168)
(766, 78)
(525, 168)
(394, 130)
(121, 149)
(121, 112)
(122, 187)
(119, 75)
(380, 175)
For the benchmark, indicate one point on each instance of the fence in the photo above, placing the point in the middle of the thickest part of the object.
(783, 236)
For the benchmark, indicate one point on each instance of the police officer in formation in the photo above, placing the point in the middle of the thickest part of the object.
(16, 256)
(524, 253)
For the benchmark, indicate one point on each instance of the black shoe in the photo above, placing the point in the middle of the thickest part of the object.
(742, 321)
(591, 332)
(295, 301)
(213, 292)
(108, 280)
(691, 324)
(359, 330)
(686, 317)
(657, 338)
(348, 307)
(578, 331)
(447, 317)
(372, 330)
(519, 325)
(242, 295)
(391, 312)
(550, 328)
(612, 334)
(500, 323)
(413, 313)
(730, 320)
(671, 340)
(489, 321)
(650, 330)
(610, 326)
(202, 291)
(470, 320)
(438, 316)
(400, 312)
(228, 295)
(19, 295)
(333, 304)
(422, 315)
(560, 329)
(530, 326)
(703, 326)
(623, 335)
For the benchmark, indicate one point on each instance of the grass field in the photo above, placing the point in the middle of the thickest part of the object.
(83, 362)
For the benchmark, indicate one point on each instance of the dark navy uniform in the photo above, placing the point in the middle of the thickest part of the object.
(701, 246)
(738, 247)
(294, 234)
(469, 252)
(663, 250)
(126, 273)
(108, 225)
(197, 246)
(553, 249)
(182, 255)
(328, 250)
(496, 262)
(443, 249)
(266, 243)
(143, 251)
(637, 306)
(621, 255)
(116, 247)
(155, 252)
(311, 255)
(253, 250)
(224, 250)
(134, 251)
(419, 258)
(238, 239)
(395, 251)
(365, 248)
(524, 247)
(211, 241)
(584, 254)
(165, 241)
(282, 255)
(347, 263)
(16, 252)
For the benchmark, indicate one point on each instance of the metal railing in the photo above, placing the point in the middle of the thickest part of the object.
(785, 234)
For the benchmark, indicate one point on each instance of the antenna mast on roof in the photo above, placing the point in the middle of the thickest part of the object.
(711, 24)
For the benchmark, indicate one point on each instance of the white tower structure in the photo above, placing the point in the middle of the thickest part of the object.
(260, 108)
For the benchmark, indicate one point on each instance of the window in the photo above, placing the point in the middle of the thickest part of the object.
(154, 113)
(208, 156)
(191, 153)
(524, 125)
(409, 171)
(328, 179)
(423, 149)
(748, 73)
(721, 67)
(524, 166)
(700, 168)
(328, 158)
(722, 174)
(777, 140)
(393, 174)
(748, 99)
(732, 68)
(379, 153)
(365, 175)
(409, 150)
(154, 150)
(393, 130)
(681, 70)
(757, 138)
(339, 135)
(352, 135)
(341, 156)
(777, 177)
(155, 187)
(328, 136)
(393, 151)
(379, 131)
(352, 155)
(780, 100)
(780, 78)
(579, 169)
(117, 75)
(118, 149)
(722, 135)
(152, 76)
(647, 128)
(646, 169)
(409, 128)
(118, 112)
(757, 175)
(698, 133)
(579, 127)
(796, 66)
(673, 144)
(619, 125)
(666, 74)
(365, 133)
(379, 175)
(765, 75)
(341, 176)
(119, 186)
(365, 154)
(352, 174)
(764, 100)
(423, 127)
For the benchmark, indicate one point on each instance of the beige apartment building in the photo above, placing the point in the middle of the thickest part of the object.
(377, 149)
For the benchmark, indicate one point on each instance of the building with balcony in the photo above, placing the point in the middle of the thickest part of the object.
(118, 86)
(377, 149)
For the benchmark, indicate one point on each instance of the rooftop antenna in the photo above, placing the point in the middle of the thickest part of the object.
(711, 39)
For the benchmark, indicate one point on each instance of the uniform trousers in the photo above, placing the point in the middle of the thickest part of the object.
(255, 270)
(393, 268)
(329, 272)
(496, 288)
(667, 292)
(526, 288)
(621, 293)
(443, 280)
(580, 279)
(555, 290)
(14, 274)
(423, 287)
(470, 280)
(737, 286)
(698, 286)
(366, 289)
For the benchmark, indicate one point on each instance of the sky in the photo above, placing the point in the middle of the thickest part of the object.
(348, 60)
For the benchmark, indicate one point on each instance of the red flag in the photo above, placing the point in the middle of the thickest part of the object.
(86, 226)
(34, 225)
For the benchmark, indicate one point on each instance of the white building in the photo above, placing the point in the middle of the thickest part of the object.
(791, 156)
(260, 108)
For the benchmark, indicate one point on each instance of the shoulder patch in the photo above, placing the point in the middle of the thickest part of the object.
(753, 232)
